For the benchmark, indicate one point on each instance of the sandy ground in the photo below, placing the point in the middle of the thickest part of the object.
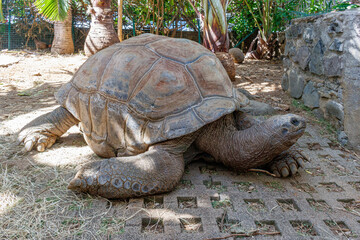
(34, 200)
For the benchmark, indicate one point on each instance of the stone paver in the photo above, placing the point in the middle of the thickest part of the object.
(322, 202)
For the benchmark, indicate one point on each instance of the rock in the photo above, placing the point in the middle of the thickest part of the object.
(293, 31)
(335, 27)
(286, 63)
(237, 55)
(352, 73)
(357, 27)
(337, 45)
(334, 109)
(290, 49)
(318, 113)
(256, 108)
(351, 102)
(333, 66)
(285, 82)
(303, 57)
(316, 59)
(296, 84)
(311, 96)
(308, 35)
(343, 138)
(324, 93)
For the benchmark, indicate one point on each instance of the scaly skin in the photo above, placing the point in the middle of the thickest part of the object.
(43, 131)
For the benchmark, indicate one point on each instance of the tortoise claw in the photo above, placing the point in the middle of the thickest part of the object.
(33, 138)
(288, 163)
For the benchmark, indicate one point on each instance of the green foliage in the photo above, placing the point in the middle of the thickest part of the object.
(55, 10)
(275, 15)
(159, 16)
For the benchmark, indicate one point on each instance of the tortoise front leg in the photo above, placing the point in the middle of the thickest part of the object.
(43, 131)
(287, 163)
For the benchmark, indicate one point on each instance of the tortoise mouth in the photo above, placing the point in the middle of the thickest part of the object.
(300, 130)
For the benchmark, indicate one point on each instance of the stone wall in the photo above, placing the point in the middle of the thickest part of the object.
(322, 68)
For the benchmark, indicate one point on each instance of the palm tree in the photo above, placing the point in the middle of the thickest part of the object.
(101, 35)
(102, 32)
(60, 12)
(215, 31)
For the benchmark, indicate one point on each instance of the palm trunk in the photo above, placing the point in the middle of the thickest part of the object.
(120, 15)
(63, 41)
(215, 32)
(102, 33)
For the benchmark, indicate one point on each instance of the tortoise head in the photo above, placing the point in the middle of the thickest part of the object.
(285, 130)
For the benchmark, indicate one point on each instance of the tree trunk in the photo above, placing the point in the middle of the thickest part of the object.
(63, 41)
(120, 15)
(102, 33)
(215, 31)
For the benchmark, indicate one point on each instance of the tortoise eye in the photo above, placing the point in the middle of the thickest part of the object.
(294, 121)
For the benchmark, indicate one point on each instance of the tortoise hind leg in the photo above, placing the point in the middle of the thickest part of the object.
(43, 131)
(154, 171)
(157, 170)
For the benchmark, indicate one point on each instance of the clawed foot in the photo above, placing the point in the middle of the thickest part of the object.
(287, 163)
(36, 137)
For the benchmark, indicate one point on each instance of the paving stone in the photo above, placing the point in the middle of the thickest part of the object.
(306, 200)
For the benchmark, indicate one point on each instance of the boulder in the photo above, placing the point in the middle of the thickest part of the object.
(311, 96)
(296, 84)
(237, 55)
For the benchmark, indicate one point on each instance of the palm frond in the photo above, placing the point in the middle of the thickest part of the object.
(2, 19)
(55, 10)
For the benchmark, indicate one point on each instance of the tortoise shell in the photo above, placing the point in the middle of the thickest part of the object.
(145, 90)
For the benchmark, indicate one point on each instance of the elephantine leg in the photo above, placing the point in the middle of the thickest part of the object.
(252, 147)
(155, 171)
(43, 131)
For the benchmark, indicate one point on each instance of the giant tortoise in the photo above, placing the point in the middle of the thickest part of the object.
(152, 104)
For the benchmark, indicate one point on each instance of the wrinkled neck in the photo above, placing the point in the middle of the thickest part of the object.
(242, 149)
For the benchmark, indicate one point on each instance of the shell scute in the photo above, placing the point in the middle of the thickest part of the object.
(182, 50)
(88, 77)
(125, 70)
(98, 113)
(219, 107)
(211, 77)
(181, 124)
(168, 89)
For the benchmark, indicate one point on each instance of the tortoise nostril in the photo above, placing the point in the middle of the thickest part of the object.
(294, 121)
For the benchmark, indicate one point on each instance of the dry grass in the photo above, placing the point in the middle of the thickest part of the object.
(35, 204)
